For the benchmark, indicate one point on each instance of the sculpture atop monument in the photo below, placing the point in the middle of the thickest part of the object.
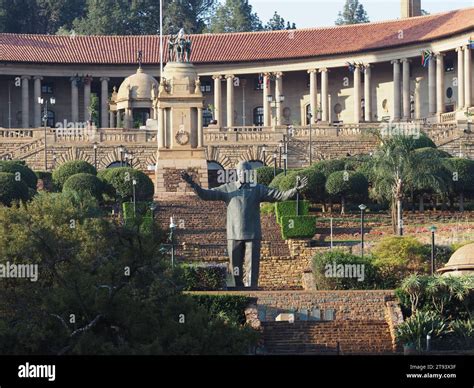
(179, 47)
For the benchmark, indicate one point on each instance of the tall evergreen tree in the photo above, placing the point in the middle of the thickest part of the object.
(276, 22)
(353, 13)
(235, 16)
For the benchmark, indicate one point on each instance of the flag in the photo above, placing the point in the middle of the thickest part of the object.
(351, 66)
(471, 43)
(260, 78)
(425, 57)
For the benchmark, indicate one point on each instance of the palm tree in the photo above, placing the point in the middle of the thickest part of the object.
(399, 169)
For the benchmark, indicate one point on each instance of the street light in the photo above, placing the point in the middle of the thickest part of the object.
(134, 183)
(285, 163)
(274, 164)
(362, 208)
(264, 151)
(432, 230)
(278, 100)
(44, 103)
(121, 151)
(171, 238)
(310, 118)
(280, 146)
(95, 155)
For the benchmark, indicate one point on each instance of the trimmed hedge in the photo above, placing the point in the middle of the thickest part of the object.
(275, 183)
(231, 306)
(68, 169)
(265, 174)
(298, 227)
(19, 168)
(288, 208)
(11, 189)
(84, 183)
(121, 180)
(204, 277)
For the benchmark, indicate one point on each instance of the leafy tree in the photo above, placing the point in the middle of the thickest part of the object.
(120, 179)
(314, 190)
(461, 178)
(353, 13)
(11, 189)
(278, 23)
(84, 183)
(265, 174)
(234, 16)
(347, 185)
(21, 171)
(192, 15)
(124, 295)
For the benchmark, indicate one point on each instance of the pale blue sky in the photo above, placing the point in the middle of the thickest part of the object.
(317, 13)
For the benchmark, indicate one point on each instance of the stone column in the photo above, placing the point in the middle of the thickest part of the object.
(36, 105)
(278, 93)
(119, 119)
(161, 128)
(432, 86)
(25, 101)
(368, 93)
(324, 95)
(396, 90)
(406, 89)
(112, 119)
(218, 100)
(357, 94)
(467, 77)
(460, 76)
(87, 99)
(200, 130)
(313, 94)
(104, 102)
(230, 100)
(74, 101)
(439, 83)
(418, 98)
(266, 105)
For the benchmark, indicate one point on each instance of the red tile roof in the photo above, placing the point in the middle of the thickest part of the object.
(238, 47)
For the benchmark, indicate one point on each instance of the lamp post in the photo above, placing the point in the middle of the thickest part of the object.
(362, 208)
(44, 103)
(285, 161)
(171, 238)
(54, 161)
(134, 183)
(121, 150)
(280, 146)
(310, 117)
(264, 151)
(274, 164)
(95, 155)
(432, 230)
(278, 100)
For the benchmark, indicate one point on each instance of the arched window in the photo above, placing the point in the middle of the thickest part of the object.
(258, 115)
(213, 169)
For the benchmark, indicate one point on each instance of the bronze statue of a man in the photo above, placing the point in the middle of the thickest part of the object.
(243, 198)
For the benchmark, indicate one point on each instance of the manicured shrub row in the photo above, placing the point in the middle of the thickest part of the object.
(288, 209)
(298, 226)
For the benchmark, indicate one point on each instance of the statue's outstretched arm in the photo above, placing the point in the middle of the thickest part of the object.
(217, 194)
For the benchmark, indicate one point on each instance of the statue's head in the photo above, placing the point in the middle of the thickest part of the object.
(243, 171)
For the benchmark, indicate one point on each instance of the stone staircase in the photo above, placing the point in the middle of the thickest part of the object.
(327, 337)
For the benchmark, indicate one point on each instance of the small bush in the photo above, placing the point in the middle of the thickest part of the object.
(21, 171)
(275, 183)
(121, 179)
(143, 209)
(11, 189)
(265, 175)
(330, 269)
(228, 306)
(288, 208)
(298, 227)
(68, 169)
(84, 183)
(204, 277)
(327, 167)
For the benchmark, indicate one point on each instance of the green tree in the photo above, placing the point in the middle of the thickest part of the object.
(234, 16)
(12, 189)
(192, 15)
(68, 169)
(278, 23)
(353, 13)
(461, 176)
(347, 185)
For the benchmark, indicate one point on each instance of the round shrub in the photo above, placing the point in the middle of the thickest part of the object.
(327, 167)
(347, 185)
(275, 183)
(121, 179)
(68, 169)
(11, 189)
(314, 191)
(265, 174)
(19, 169)
(84, 183)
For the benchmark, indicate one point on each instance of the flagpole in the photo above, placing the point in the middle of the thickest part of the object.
(161, 38)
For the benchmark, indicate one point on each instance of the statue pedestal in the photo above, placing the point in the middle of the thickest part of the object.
(170, 163)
